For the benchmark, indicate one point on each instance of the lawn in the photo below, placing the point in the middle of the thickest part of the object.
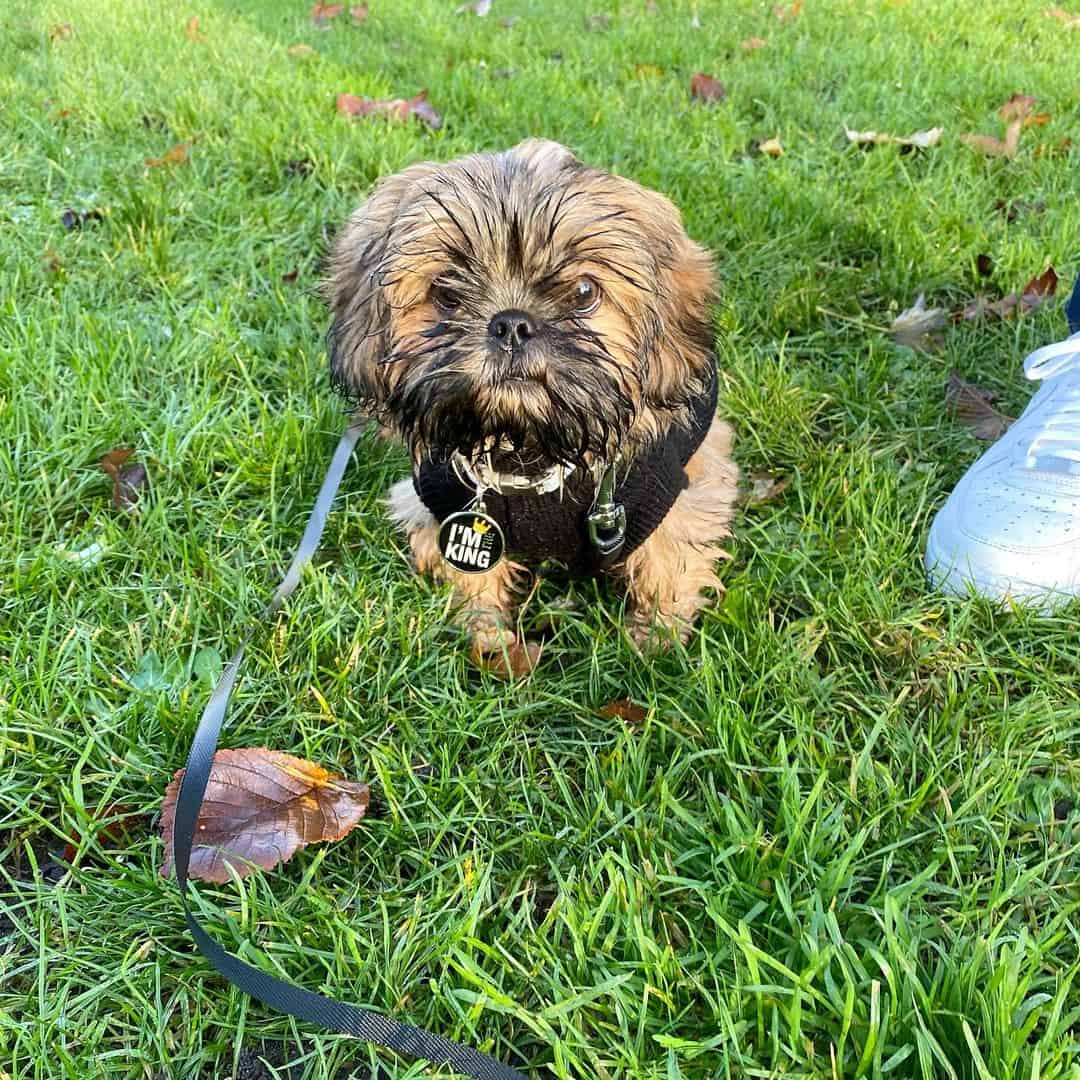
(845, 838)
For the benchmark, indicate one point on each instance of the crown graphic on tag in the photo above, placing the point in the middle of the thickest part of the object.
(471, 542)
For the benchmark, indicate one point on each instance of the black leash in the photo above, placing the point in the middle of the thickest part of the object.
(278, 994)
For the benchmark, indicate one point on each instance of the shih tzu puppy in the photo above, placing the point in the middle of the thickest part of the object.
(537, 333)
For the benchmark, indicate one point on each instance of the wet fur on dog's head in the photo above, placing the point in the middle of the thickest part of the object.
(608, 295)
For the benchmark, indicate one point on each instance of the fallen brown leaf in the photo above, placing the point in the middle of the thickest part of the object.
(396, 108)
(1016, 115)
(1057, 149)
(261, 807)
(359, 13)
(1042, 287)
(290, 277)
(647, 70)
(922, 140)
(322, 14)
(61, 32)
(626, 710)
(652, 7)
(789, 12)
(112, 824)
(597, 22)
(994, 147)
(192, 29)
(772, 147)
(706, 89)
(129, 481)
(299, 49)
(971, 406)
(175, 156)
(764, 488)
(751, 44)
(517, 661)
(1034, 294)
(1066, 18)
(1016, 108)
(919, 327)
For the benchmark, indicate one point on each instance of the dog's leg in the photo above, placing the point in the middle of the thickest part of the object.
(487, 602)
(668, 574)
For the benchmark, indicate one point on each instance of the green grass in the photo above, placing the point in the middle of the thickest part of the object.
(845, 841)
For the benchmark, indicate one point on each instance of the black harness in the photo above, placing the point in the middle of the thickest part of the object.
(556, 525)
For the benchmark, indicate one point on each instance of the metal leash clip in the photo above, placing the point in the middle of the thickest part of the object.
(607, 519)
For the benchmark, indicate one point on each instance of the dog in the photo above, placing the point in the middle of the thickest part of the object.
(537, 333)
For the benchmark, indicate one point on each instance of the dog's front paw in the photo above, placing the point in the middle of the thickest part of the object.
(500, 652)
(656, 635)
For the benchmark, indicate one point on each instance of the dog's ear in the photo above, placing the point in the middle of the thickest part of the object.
(360, 331)
(544, 155)
(686, 289)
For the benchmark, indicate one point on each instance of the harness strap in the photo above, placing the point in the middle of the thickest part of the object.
(284, 996)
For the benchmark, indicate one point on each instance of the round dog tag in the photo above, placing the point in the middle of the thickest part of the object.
(471, 542)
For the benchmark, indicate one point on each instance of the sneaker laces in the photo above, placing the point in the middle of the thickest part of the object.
(1056, 448)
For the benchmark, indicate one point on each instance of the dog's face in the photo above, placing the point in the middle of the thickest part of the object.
(519, 299)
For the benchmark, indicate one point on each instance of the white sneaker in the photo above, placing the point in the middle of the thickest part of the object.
(1011, 527)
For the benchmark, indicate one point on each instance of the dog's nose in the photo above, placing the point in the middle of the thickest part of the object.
(511, 329)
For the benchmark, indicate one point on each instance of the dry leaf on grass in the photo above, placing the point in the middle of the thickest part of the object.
(971, 406)
(192, 29)
(752, 44)
(706, 89)
(322, 14)
(479, 7)
(772, 147)
(764, 487)
(992, 146)
(789, 12)
(1016, 115)
(597, 22)
(626, 710)
(108, 827)
(1057, 149)
(919, 327)
(359, 13)
(61, 32)
(921, 140)
(1018, 107)
(1066, 18)
(261, 807)
(517, 661)
(129, 481)
(176, 156)
(299, 49)
(397, 109)
(1034, 294)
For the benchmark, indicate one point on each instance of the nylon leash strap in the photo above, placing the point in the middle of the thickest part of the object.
(286, 997)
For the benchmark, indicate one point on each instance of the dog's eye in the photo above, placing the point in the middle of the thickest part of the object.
(445, 297)
(586, 296)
